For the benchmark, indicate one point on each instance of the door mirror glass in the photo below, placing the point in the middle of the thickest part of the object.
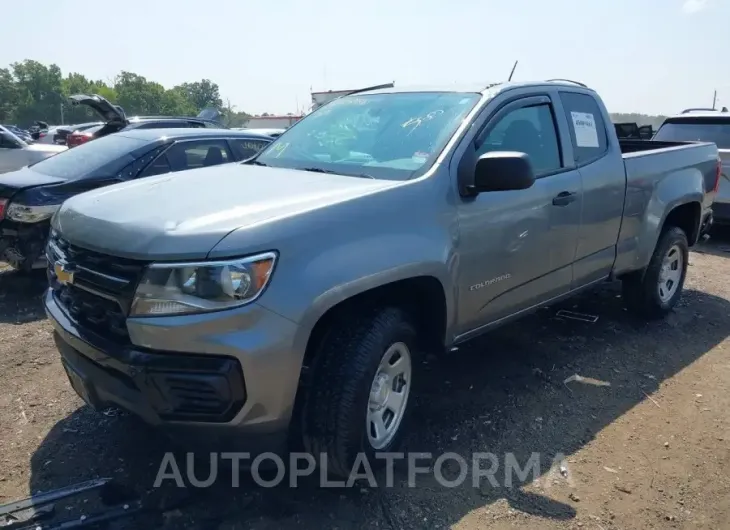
(502, 171)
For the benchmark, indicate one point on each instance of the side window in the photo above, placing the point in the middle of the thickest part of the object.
(528, 130)
(246, 148)
(198, 153)
(159, 166)
(587, 128)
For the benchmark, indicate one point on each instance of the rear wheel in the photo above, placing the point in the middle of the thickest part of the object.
(362, 381)
(655, 291)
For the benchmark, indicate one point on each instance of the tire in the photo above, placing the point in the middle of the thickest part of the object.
(337, 409)
(642, 291)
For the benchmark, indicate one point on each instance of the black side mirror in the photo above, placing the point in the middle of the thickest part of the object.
(502, 171)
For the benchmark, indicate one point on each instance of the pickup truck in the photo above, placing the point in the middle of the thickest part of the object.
(705, 125)
(286, 301)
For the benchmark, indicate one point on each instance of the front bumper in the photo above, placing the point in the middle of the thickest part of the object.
(236, 396)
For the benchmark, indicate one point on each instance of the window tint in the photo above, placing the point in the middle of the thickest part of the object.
(158, 167)
(586, 125)
(528, 130)
(696, 130)
(245, 148)
(198, 153)
(89, 157)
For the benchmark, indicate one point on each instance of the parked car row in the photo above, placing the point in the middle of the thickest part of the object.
(287, 299)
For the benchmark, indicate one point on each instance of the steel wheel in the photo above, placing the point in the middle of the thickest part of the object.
(389, 395)
(670, 274)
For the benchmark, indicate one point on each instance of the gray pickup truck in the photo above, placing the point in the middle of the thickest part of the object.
(289, 299)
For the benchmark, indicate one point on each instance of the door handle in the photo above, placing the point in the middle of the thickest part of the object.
(564, 198)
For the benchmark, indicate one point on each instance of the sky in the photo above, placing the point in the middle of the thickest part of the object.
(648, 56)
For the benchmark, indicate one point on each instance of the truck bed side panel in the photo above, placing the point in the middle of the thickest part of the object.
(657, 182)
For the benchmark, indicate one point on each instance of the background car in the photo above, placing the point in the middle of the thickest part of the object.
(116, 120)
(30, 196)
(20, 133)
(62, 131)
(16, 153)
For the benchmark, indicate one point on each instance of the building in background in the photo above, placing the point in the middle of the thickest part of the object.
(271, 122)
(320, 98)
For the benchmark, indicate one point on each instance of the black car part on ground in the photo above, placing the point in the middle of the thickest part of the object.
(36, 511)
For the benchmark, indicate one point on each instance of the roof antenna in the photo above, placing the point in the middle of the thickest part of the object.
(513, 71)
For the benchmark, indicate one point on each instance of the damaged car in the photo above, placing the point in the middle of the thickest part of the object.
(30, 196)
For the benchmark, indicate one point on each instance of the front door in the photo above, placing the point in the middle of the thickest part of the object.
(517, 247)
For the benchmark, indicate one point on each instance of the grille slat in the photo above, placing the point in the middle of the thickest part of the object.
(101, 294)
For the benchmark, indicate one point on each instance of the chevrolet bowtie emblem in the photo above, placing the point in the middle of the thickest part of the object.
(64, 272)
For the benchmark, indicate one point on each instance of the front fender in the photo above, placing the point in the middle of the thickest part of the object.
(341, 272)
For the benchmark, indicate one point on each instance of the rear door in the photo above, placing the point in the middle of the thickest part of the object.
(603, 178)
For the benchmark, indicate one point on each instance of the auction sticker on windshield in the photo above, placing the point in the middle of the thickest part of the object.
(584, 125)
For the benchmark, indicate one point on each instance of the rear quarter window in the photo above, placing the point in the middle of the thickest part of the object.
(586, 125)
(245, 148)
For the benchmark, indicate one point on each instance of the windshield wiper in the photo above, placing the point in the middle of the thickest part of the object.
(330, 172)
(318, 170)
(256, 163)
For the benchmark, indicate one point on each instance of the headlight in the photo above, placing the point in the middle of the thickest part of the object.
(183, 288)
(30, 214)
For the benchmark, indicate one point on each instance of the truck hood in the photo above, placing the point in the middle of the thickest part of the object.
(184, 215)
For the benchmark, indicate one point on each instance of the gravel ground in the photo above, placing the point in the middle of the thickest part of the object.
(649, 450)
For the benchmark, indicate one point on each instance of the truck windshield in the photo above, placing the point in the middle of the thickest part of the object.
(391, 136)
(716, 130)
(87, 158)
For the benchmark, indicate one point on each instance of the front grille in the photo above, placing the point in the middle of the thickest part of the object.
(100, 295)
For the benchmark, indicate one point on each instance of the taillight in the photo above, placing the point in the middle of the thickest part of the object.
(3, 203)
(718, 175)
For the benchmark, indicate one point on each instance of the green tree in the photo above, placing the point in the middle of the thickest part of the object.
(39, 89)
(202, 94)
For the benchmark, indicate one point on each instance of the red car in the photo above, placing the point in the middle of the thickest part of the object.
(79, 137)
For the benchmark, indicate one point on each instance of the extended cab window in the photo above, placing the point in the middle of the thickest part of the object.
(198, 153)
(528, 130)
(587, 128)
(716, 130)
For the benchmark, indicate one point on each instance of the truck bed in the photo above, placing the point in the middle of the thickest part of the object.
(649, 159)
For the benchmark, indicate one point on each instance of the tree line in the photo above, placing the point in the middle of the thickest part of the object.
(31, 91)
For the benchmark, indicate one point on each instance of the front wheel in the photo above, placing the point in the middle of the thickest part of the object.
(655, 291)
(359, 399)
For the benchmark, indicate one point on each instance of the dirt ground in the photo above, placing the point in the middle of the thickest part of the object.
(649, 450)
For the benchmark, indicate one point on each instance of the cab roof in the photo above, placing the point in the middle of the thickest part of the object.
(475, 88)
